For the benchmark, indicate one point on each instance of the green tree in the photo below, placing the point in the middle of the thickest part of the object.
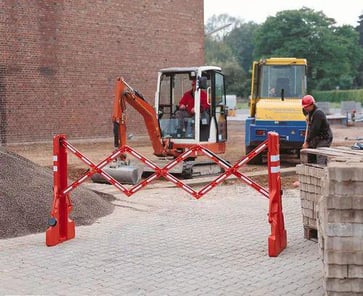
(334, 53)
(308, 34)
(219, 26)
(219, 53)
(240, 40)
(359, 29)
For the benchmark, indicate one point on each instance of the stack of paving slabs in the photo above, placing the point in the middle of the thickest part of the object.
(340, 228)
(311, 178)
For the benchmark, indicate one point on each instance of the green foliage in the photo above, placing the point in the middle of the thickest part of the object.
(337, 96)
(240, 40)
(333, 53)
(220, 26)
(235, 77)
(220, 54)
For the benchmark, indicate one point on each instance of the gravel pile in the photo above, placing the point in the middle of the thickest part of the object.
(26, 197)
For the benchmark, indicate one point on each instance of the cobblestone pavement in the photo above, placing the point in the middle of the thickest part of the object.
(164, 242)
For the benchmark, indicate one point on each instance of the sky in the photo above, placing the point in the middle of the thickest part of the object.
(344, 12)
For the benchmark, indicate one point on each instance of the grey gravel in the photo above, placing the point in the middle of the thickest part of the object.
(26, 197)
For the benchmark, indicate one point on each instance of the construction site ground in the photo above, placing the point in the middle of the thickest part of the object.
(160, 241)
(97, 150)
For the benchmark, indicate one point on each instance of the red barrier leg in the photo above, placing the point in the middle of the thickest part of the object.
(277, 240)
(60, 228)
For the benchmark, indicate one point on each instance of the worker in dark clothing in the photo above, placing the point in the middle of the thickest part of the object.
(319, 133)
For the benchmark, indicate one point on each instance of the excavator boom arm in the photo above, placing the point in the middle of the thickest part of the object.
(126, 94)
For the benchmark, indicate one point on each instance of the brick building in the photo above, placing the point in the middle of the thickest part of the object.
(60, 59)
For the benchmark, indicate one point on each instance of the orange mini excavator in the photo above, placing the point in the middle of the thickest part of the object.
(169, 134)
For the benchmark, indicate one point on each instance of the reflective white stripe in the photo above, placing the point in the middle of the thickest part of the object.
(171, 164)
(82, 179)
(55, 168)
(101, 165)
(85, 160)
(72, 149)
(136, 188)
(275, 169)
(275, 157)
(206, 189)
(150, 164)
(119, 187)
(187, 189)
(67, 190)
(260, 149)
(55, 157)
(221, 178)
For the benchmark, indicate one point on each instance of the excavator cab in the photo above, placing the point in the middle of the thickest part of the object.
(169, 136)
(208, 127)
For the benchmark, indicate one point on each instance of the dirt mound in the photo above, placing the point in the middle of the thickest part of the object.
(26, 198)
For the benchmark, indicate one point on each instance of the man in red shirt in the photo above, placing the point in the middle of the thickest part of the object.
(186, 105)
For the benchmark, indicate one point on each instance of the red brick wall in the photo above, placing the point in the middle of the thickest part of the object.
(60, 59)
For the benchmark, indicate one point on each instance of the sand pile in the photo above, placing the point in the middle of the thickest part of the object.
(26, 197)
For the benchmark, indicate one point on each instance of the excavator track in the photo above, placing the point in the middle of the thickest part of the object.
(189, 169)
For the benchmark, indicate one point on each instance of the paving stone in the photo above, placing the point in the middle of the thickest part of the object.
(153, 244)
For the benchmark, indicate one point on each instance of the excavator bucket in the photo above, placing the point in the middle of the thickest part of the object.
(125, 174)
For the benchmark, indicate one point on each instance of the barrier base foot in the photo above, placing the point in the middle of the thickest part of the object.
(276, 244)
(53, 234)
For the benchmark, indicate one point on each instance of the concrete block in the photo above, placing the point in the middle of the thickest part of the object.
(339, 202)
(358, 202)
(345, 171)
(316, 181)
(346, 188)
(314, 189)
(344, 244)
(317, 198)
(310, 196)
(332, 293)
(312, 223)
(308, 213)
(336, 271)
(357, 285)
(303, 194)
(321, 217)
(339, 229)
(321, 172)
(334, 257)
(345, 216)
(300, 169)
(303, 179)
(304, 187)
(307, 204)
(309, 222)
(338, 285)
(321, 240)
(317, 190)
(343, 285)
(355, 271)
(344, 229)
(305, 220)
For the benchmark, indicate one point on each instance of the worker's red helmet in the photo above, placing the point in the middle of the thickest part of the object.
(307, 101)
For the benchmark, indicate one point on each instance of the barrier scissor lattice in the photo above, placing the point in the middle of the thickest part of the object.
(61, 228)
